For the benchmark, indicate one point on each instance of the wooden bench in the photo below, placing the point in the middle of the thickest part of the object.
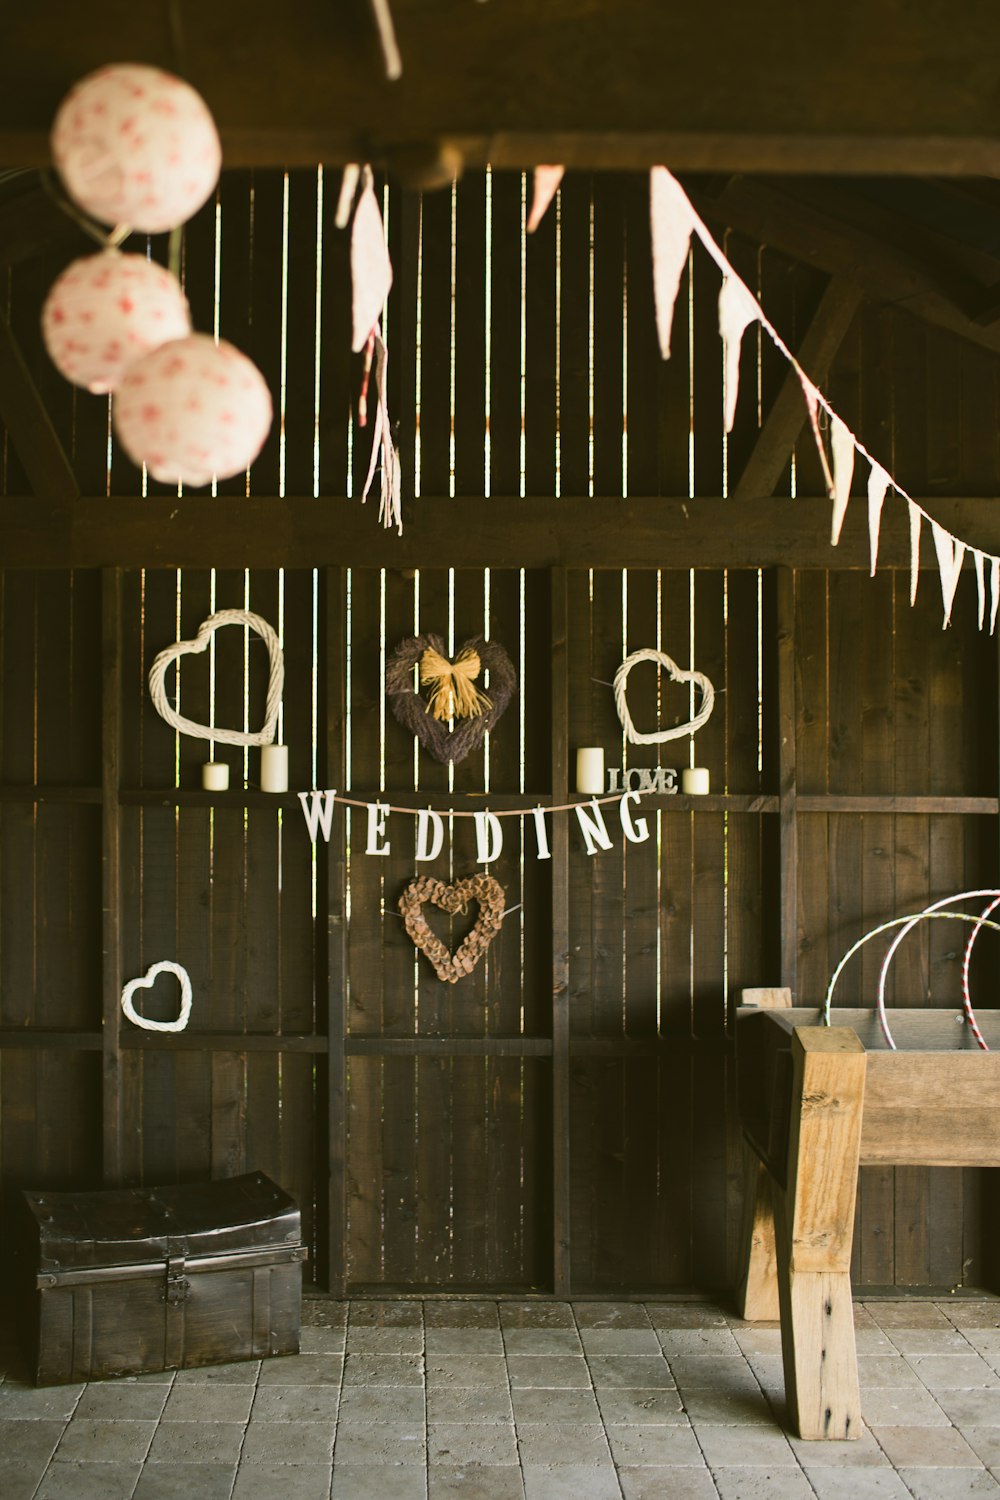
(817, 1102)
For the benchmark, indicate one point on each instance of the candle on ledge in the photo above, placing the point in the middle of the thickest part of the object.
(215, 776)
(694, 781)
(274, 768)
(590, 770)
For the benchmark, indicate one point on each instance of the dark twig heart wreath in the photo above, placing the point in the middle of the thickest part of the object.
(452, 692)
(451, 967)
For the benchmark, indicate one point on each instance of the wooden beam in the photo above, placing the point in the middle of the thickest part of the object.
(32, 224)
(797, 220)
(536, 532)
(622, 85)
(111, 883)
(332, 1206)
(787, 417)
(934, 252)
(30, 427)
(562, 1219)
(787, 778)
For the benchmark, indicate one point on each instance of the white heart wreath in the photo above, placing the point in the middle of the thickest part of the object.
(276, 680)
(146, 982)
(701, 717)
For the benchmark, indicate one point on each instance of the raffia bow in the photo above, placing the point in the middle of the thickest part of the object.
(453, 694)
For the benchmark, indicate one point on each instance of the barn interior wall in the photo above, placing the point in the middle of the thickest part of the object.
(562, 1119)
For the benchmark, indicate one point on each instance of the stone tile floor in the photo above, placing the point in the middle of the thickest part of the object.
(506, 1400)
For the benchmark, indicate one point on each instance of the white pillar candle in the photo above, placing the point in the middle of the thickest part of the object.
(694, 781)
(274, 768)
(590, 770)
(215, 776)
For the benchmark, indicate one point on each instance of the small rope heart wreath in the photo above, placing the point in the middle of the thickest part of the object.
(701, 717)
(275, 681)
(145, 983)
(453, 899)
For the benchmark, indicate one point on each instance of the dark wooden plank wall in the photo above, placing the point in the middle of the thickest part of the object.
(562, 1119)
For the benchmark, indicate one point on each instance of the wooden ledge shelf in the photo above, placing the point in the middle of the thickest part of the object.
(42, 1039)
(448, 1046)
(732, 802)
(835, 802)
(50, 792)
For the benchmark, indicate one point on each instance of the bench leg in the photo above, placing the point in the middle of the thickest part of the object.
(814, 1228)
(757, 1290)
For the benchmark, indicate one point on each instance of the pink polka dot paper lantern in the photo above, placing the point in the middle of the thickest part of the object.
(106, 311)
(134, 145)
(192, 411)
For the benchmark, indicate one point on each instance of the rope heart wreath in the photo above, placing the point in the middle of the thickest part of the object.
(701, 717)
(275, 683)
(146, 982)
(448, 966)
(452, 692)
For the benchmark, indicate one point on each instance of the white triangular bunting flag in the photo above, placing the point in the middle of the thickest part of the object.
(844, 448)
(671, 220)
(950, 553)
(915, 519)
(371, 272)
(977, 562)
(545, 181)
(994, 591)
(737, 310)
(878, 483)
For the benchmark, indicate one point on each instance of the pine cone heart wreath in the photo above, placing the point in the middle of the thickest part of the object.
(451, 687)
(453, 899)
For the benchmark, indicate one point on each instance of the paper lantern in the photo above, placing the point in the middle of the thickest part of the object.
(105, 311)
(134, 145)
(193, 410)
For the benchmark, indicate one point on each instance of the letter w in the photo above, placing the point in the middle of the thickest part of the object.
(318, 814)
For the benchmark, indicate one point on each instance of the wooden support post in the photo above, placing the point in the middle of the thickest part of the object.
(787, 778)
(757, 1290)
(560, 944)
(111, 638)
(814, 1224)
(787, 417)
(333, 887)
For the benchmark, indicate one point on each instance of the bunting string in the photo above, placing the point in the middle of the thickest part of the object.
(463, 812)
(673, 221)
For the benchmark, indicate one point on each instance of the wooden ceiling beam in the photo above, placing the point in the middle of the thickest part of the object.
(498, 533)
(788, 414)
(772, 212)
(31, 224)
(29, 425)
(592, 85)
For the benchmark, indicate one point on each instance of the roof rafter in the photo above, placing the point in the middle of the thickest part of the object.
(623, 85)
